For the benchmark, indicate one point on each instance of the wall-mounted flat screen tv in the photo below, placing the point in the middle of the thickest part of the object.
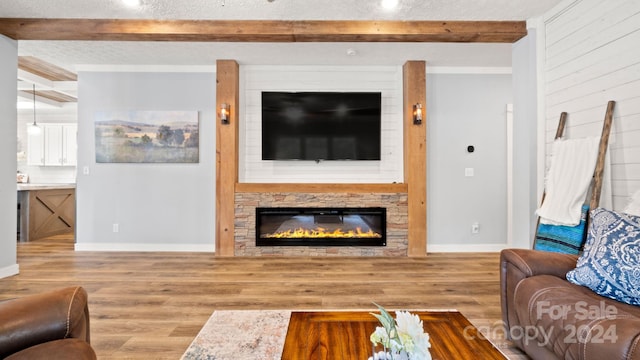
(321, 125)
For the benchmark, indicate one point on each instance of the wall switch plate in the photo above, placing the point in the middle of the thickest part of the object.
(85, 170)
(475, 228)
(116, 228)
(468, 172)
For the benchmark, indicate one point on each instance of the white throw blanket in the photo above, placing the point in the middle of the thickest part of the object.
(633, 207)
(572, 164)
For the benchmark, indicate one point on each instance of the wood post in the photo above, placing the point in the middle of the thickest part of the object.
(227, 92)
(561, 124)
(415, 155)
(602, 151)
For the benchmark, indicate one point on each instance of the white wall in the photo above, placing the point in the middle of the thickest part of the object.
(524, 132)
(386, 79)
(8, 190)
(592, 55)
(463, 110)
(44, 174)
(158, 207)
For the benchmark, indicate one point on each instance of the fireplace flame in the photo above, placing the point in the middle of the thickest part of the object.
(323, 233)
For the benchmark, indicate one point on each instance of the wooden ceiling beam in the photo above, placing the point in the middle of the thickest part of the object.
(262, 30)
(44, 69)
(28, 96)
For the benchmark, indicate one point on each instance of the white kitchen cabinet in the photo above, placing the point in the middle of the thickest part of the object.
(55, 145)
(35, 147)
(52, 145)
(70, 145)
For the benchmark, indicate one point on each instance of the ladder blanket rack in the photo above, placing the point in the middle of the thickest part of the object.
(569, 239)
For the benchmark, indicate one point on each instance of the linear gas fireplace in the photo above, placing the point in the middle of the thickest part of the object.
(292, 226)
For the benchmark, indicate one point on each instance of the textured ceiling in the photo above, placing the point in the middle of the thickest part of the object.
(280, 9)
(68, 54)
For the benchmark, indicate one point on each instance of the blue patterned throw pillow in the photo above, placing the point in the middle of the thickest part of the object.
(610, 263)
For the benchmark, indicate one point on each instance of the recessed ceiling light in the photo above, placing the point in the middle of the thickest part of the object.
(132, 3)
(389, 4)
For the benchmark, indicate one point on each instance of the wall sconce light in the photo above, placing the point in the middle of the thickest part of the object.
(417, 114)
(224, 114)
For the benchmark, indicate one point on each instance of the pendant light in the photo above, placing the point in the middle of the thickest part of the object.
(34, 128)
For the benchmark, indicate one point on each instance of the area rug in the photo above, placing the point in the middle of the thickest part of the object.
(240, 335)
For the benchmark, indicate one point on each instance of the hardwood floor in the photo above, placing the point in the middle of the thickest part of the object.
(152, 305)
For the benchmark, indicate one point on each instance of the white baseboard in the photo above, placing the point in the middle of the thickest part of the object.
(466, 247)
(145, 247)
(9, 271)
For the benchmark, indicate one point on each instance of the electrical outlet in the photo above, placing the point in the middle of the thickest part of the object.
(116, 228)
(475, 228)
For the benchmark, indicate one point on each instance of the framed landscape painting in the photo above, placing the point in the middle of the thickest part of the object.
(147, 137)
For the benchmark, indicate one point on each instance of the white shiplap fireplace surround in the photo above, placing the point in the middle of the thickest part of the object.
(321, 184)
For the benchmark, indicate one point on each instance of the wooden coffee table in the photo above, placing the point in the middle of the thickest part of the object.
(345, 335)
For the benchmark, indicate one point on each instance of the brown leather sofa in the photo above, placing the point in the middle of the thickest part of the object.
(52, 325)
(550, 318)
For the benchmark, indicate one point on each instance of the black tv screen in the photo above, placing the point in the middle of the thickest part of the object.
(321, 125)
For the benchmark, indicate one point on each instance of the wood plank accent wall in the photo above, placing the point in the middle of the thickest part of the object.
(227, 92)
(415, 155)
(592, 57)
(262, 30)
(384, 79)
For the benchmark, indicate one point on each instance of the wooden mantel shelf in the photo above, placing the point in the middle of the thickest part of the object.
(320, 188)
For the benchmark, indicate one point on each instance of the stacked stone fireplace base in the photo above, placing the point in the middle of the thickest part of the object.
(245, 222)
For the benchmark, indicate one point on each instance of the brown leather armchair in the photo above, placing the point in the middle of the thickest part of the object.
(51, 325)
(548, 317)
